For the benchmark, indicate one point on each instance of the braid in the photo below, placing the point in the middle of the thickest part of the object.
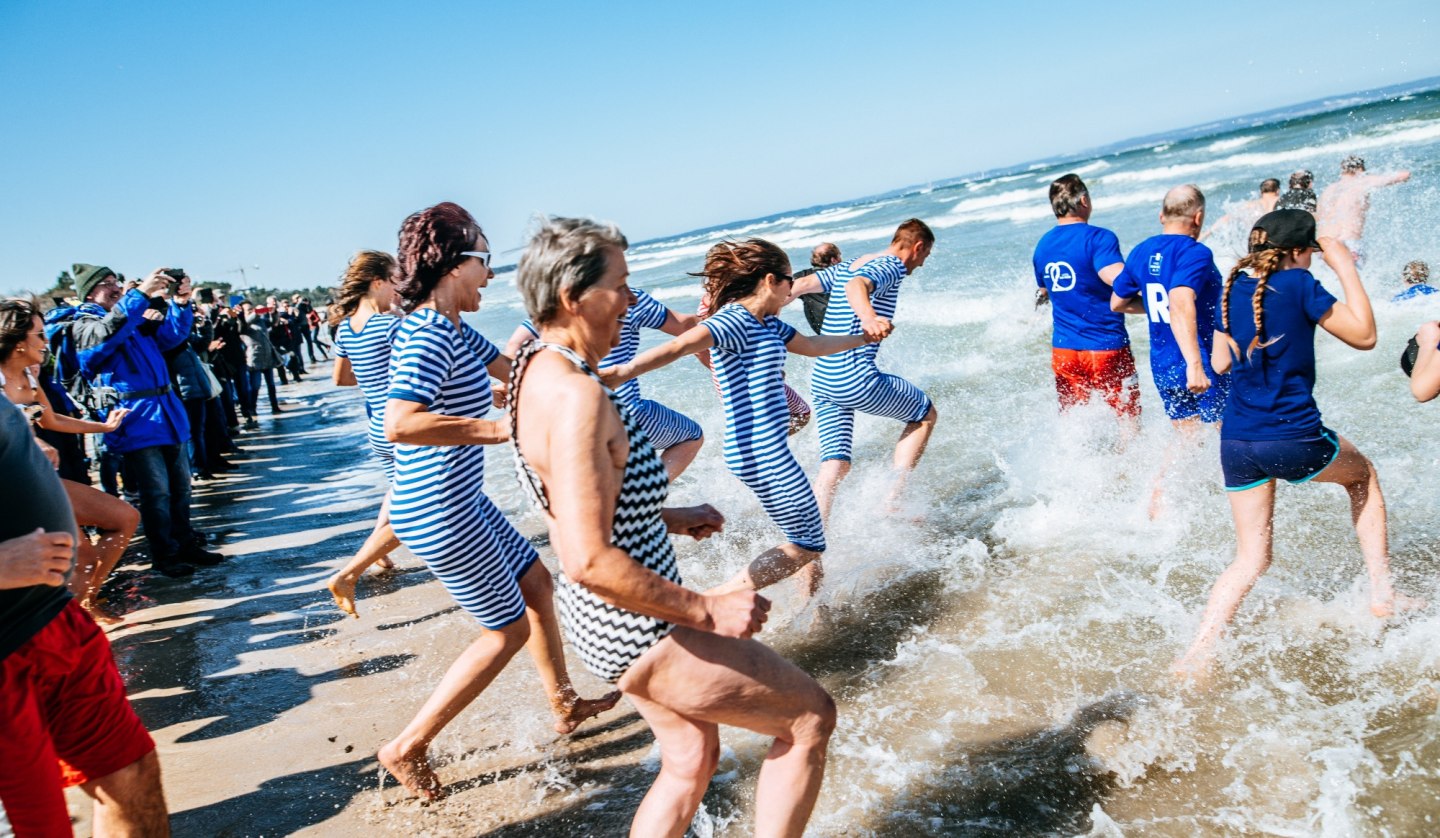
(1264, 263)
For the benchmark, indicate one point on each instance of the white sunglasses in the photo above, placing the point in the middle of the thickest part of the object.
(482, 255)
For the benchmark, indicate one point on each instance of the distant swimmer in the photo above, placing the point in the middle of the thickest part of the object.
(863, 294)
(1269, 307)
(1075, 265)
(1301, 194)
(1345, 203)
(1175, 279)
(1424, 365)
(676, 436)
(1245, 215)
(1417, 282)
(748, 283)
(814, 298)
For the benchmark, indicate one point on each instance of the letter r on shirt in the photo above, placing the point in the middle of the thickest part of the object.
(1157, 302)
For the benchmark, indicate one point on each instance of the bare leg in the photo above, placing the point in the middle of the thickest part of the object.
(908, 452)
(1253, 511)
(827, 483)
(405, 756)
(679, 456)
(702, 679)
(1356, 473)
(116, 521)
(131, 801)
(569, 708)
(1187, 434)
(768, 568)
(377, 548)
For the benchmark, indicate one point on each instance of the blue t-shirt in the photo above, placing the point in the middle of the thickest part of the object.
(1270, 393)
(1067, 261)
(1157, 266)
(1412, 293)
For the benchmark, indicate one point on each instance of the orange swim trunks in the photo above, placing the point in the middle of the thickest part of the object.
(1079, 372)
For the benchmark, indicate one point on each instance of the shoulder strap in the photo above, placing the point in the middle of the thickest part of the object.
(529, 480)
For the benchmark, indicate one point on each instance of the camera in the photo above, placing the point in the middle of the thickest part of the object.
(175, 274)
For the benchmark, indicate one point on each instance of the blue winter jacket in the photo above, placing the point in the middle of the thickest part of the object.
(113, 353)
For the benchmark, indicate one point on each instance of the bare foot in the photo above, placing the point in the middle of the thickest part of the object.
(343, 590)
(413, 771)
(98, 614)
(1400, 603)
(1191, 673)
(570, 715)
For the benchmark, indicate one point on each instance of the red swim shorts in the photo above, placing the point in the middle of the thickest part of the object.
(64, 720)
(1078, 372)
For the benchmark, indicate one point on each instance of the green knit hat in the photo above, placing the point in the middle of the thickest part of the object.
(87, 277)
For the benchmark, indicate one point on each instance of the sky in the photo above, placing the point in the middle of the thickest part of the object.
(282, 137)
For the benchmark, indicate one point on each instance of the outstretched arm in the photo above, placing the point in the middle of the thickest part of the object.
(813, 346)
(688, 343)
(808, 284)
(1351, 320)
(411, 423)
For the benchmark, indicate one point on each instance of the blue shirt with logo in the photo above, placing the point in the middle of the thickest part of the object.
(1156, 267)
(1270, 392)
(1068, 261)
(1414, 292)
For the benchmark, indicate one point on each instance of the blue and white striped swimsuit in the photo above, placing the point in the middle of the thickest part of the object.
(663, 426)
(369, 354)
(849, 381)
(610, 639)
(749, 362)
(438, 507)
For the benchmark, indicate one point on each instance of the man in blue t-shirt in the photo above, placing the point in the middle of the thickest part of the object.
(1172, 279)
(1075, 264)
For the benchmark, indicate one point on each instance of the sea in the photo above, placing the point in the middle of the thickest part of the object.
(999, 649)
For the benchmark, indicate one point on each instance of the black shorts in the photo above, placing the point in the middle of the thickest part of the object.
(1251, 463)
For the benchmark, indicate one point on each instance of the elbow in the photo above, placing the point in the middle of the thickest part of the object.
(1366, 342)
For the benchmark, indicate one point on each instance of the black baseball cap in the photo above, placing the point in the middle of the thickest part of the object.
(1285, 229)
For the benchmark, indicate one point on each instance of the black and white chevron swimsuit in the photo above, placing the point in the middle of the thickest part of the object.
(610, 639)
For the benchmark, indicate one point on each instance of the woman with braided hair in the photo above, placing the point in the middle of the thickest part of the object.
(748, 283)
(1272, 428)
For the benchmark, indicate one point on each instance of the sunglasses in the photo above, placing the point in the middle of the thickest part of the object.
(482, 255)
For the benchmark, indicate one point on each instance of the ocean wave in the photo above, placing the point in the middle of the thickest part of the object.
(1179, 172)
(1231, 143)
(1085, 169)
(1034, 204)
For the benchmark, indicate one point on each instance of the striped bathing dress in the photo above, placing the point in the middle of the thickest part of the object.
(369, 354)
(610, 639)
(799, 408)
(849, 381)
(663, 426)
(438, 505)
(749, 363)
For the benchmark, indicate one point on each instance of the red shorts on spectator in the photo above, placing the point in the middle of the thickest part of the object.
(64, 721)
(1079, 372)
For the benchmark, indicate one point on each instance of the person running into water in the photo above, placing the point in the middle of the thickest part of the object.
(1344, 204)
(863, 293)
(364, 319)
(439, 395)
(1301, 194)
(1424, 367)
(1174, 278)
(748, 283)
(1075, 265)
(1272, 429)
(675, 435)
(683, 658)
(1416, 276)
(815, 302)
(22, 350)
(1244, 216)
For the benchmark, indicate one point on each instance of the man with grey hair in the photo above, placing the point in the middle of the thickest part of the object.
(1345, 203)
(1172, 279)
(823, 256)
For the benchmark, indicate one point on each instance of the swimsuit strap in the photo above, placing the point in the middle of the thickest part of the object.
(528, 350)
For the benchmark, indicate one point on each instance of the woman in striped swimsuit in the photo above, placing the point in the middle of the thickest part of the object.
(675, 435)
(683, 658)
(748, 283)
(364, 318)
(438, 397)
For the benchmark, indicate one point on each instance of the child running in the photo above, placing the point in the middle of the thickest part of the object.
(748, 283)
(365, 317)
(1272, 428)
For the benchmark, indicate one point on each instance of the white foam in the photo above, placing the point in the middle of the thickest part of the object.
(1231, 143)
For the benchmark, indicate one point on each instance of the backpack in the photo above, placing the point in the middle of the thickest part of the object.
(59, 334)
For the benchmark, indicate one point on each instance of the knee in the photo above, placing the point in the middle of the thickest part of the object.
(537, 585)
(129, 520)
(816, 721)
(514, 635)
(695, 764)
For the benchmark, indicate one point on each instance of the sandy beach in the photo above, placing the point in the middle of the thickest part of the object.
(268, 704)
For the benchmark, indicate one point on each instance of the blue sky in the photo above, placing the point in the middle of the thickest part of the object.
(288, 135)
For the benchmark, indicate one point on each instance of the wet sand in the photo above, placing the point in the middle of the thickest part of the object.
(268, 705)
